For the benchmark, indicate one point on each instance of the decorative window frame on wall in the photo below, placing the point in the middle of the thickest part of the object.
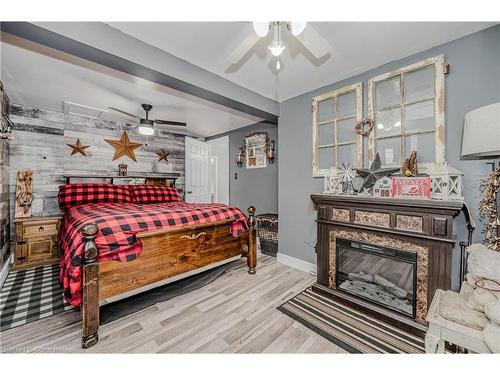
(356, 88)
(439, 110)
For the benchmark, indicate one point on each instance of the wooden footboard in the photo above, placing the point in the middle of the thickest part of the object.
(165, 254)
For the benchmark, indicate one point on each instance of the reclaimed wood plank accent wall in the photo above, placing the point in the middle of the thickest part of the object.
(39, 144)
(4, 202)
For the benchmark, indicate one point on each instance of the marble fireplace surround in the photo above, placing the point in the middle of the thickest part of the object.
(394, 243)
(424, 227)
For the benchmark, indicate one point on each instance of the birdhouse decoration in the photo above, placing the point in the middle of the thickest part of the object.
(446, 183)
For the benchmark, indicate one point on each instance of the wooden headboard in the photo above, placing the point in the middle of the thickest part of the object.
(158, 179)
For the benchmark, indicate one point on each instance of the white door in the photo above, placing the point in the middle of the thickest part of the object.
(218, 170)
(196, 185)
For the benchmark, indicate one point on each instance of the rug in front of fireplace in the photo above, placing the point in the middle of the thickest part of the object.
(351, 330)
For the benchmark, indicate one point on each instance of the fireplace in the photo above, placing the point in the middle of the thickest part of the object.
(385, 276)
(385, 257)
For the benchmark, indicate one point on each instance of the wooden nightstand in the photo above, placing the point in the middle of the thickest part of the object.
(36, 241)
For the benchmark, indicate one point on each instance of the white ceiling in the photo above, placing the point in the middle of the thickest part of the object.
(356, 47)
(44, 78)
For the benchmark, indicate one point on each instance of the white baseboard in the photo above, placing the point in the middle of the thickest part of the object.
(296, 263)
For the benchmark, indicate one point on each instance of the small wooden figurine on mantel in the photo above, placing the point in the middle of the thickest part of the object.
(410, 168)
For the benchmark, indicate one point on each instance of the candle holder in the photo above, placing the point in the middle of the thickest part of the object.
(240, 156)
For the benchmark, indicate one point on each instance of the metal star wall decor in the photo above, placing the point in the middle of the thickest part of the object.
(162, 155)
(124, 147)
(78, 148)
(374, 173)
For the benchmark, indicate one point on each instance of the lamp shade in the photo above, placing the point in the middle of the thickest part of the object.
(481, 135)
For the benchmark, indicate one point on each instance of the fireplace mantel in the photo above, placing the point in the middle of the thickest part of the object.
(421, 226)
(366, 199)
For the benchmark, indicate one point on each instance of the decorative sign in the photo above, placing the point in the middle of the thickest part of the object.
(411, 187)
(255, 150)
(24, 194)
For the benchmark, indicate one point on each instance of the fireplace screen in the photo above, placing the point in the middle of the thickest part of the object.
(378, 274)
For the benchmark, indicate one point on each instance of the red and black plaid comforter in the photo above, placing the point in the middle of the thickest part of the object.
(119, 223)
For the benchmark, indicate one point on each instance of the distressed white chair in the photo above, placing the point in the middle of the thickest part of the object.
(442, 330)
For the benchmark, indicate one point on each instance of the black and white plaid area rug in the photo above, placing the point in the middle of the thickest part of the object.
(30, 295)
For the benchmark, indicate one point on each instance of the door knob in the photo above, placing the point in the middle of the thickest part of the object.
(189, 192)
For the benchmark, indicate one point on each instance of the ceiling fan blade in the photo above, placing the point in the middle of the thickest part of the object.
(125, 113)
(165, 122)
(314, 42)
(242, 49)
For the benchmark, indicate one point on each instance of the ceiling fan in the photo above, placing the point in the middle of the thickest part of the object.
(304, 33)
(146, 125)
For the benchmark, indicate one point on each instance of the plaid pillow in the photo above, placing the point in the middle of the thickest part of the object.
(78, 194)
(154, 194)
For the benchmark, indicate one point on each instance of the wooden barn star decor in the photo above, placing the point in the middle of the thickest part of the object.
(162, 155)
(78, 148)
(124, 147)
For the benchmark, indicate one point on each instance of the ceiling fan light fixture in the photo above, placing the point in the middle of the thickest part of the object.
(146, 127)
(276, 49)
(298, 27)
(261, 28)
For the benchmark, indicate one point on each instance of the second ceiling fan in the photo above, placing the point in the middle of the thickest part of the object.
(146, 125)
(303, 32)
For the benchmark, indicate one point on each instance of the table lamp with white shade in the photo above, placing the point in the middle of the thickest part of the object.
(481, 137)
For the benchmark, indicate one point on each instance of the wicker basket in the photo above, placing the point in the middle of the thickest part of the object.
(267, 230)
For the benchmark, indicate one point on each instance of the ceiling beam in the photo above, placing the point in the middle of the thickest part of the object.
(73, 47)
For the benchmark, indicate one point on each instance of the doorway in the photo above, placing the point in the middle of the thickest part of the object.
(218, 170)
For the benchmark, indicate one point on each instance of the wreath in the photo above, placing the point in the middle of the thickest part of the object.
(360, 126)
(488, 208)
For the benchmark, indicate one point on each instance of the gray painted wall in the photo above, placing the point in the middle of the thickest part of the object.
(253, 187)
(474, 81)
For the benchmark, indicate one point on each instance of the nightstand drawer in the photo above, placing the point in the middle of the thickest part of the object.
(40, 229)
(43, 248)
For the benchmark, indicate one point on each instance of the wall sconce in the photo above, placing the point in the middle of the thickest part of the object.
(240, 156)
(270, 152)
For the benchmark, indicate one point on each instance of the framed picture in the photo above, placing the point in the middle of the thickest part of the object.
(255, 150)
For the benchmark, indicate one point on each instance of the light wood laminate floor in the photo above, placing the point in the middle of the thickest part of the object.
(236, 313)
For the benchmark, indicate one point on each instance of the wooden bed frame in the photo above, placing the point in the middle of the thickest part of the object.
(167, 255)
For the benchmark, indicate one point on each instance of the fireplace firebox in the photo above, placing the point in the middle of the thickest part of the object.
(381, 275)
